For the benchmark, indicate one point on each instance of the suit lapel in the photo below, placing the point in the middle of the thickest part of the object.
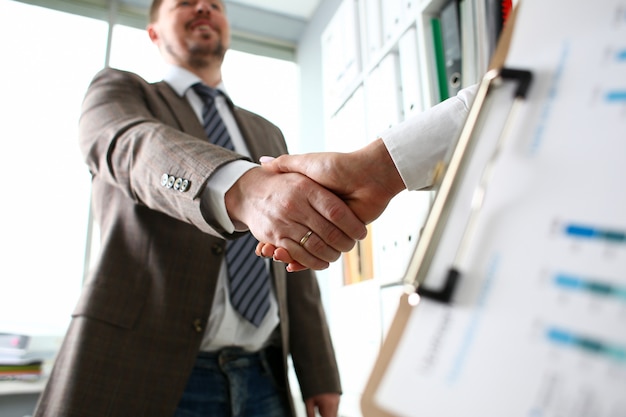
(250, 126)
(181, 110)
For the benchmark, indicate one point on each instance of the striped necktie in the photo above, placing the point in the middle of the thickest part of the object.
(248, 278)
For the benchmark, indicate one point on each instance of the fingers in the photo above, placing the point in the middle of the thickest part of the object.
(267, 250)
(338, 226)
(310, 407)
(282, 208)
(327, 405)
(281, 255)
(314, 253)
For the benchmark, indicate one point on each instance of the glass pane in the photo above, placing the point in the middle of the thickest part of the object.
(132, 50)
(43, 215)
(266, 86)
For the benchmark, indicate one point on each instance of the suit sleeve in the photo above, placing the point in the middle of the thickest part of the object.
(310, 341)
(130, 138)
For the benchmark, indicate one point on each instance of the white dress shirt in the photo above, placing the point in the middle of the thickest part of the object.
(225, 326)
(417, 144)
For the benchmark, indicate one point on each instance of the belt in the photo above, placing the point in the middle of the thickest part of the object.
(229, 354)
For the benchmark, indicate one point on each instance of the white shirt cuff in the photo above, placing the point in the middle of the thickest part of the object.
(217, 186)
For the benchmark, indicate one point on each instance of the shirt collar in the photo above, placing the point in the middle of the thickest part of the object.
(181, 80)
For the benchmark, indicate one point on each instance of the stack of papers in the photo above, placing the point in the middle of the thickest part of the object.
(22, 356)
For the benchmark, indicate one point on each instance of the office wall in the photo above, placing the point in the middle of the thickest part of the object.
(309, 57)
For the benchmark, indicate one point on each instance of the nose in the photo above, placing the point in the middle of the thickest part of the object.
(203, 7)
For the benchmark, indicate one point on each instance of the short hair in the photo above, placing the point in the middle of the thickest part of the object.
(156, 4)
(154, 10)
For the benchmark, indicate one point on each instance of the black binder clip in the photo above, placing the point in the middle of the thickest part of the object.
(440, 211)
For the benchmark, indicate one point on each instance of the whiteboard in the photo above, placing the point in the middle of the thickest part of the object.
(537, 324)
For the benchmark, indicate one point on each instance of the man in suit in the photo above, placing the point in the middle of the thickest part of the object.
(155, 331)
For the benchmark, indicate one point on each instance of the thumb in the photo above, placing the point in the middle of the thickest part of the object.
(310, 408)
(283, 163)
(268, 163)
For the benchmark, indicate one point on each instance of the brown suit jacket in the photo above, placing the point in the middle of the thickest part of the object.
(138, 324)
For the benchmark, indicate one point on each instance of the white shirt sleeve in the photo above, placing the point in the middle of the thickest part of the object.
(217, 186)
(418, 143)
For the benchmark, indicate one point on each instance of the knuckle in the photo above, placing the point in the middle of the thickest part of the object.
(337, 239)
(336, 211)
(317, 245)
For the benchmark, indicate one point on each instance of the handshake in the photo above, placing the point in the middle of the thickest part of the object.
(306, 210)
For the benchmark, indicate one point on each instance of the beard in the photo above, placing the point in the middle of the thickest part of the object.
(201, 55)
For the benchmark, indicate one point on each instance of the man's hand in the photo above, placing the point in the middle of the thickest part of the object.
(366, 180)
(326, 404)
(281, 208)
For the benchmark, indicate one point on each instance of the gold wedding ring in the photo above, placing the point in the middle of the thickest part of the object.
(306, 237)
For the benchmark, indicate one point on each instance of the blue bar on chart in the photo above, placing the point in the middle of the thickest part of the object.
(585, 344)
(591, 286)
(589, 232)
(616, 96)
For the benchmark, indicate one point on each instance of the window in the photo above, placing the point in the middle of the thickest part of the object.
(47, 65)
(44, 215)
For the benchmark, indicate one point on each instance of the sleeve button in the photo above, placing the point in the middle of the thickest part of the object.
(184, 186)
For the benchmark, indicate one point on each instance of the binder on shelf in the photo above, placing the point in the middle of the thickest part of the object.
(440, 58)
(472, 65)
(340, 54)
(482, 23)
(410, 73)
(391, 19)
(451, 36)
(383, 95)
(496, 12)
(371, 27)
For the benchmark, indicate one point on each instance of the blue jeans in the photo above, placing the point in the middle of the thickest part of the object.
(234, 383)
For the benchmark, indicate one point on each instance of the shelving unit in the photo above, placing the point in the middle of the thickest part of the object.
(379, 66)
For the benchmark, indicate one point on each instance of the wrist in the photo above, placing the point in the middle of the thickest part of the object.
(382, 168)
(235, 198)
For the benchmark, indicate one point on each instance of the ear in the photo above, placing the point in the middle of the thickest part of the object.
(152, 33)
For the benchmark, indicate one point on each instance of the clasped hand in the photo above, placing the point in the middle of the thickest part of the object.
(364, 180)
(283, 207)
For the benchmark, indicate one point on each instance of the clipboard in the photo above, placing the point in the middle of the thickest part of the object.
(415, 271)
(559, 300)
